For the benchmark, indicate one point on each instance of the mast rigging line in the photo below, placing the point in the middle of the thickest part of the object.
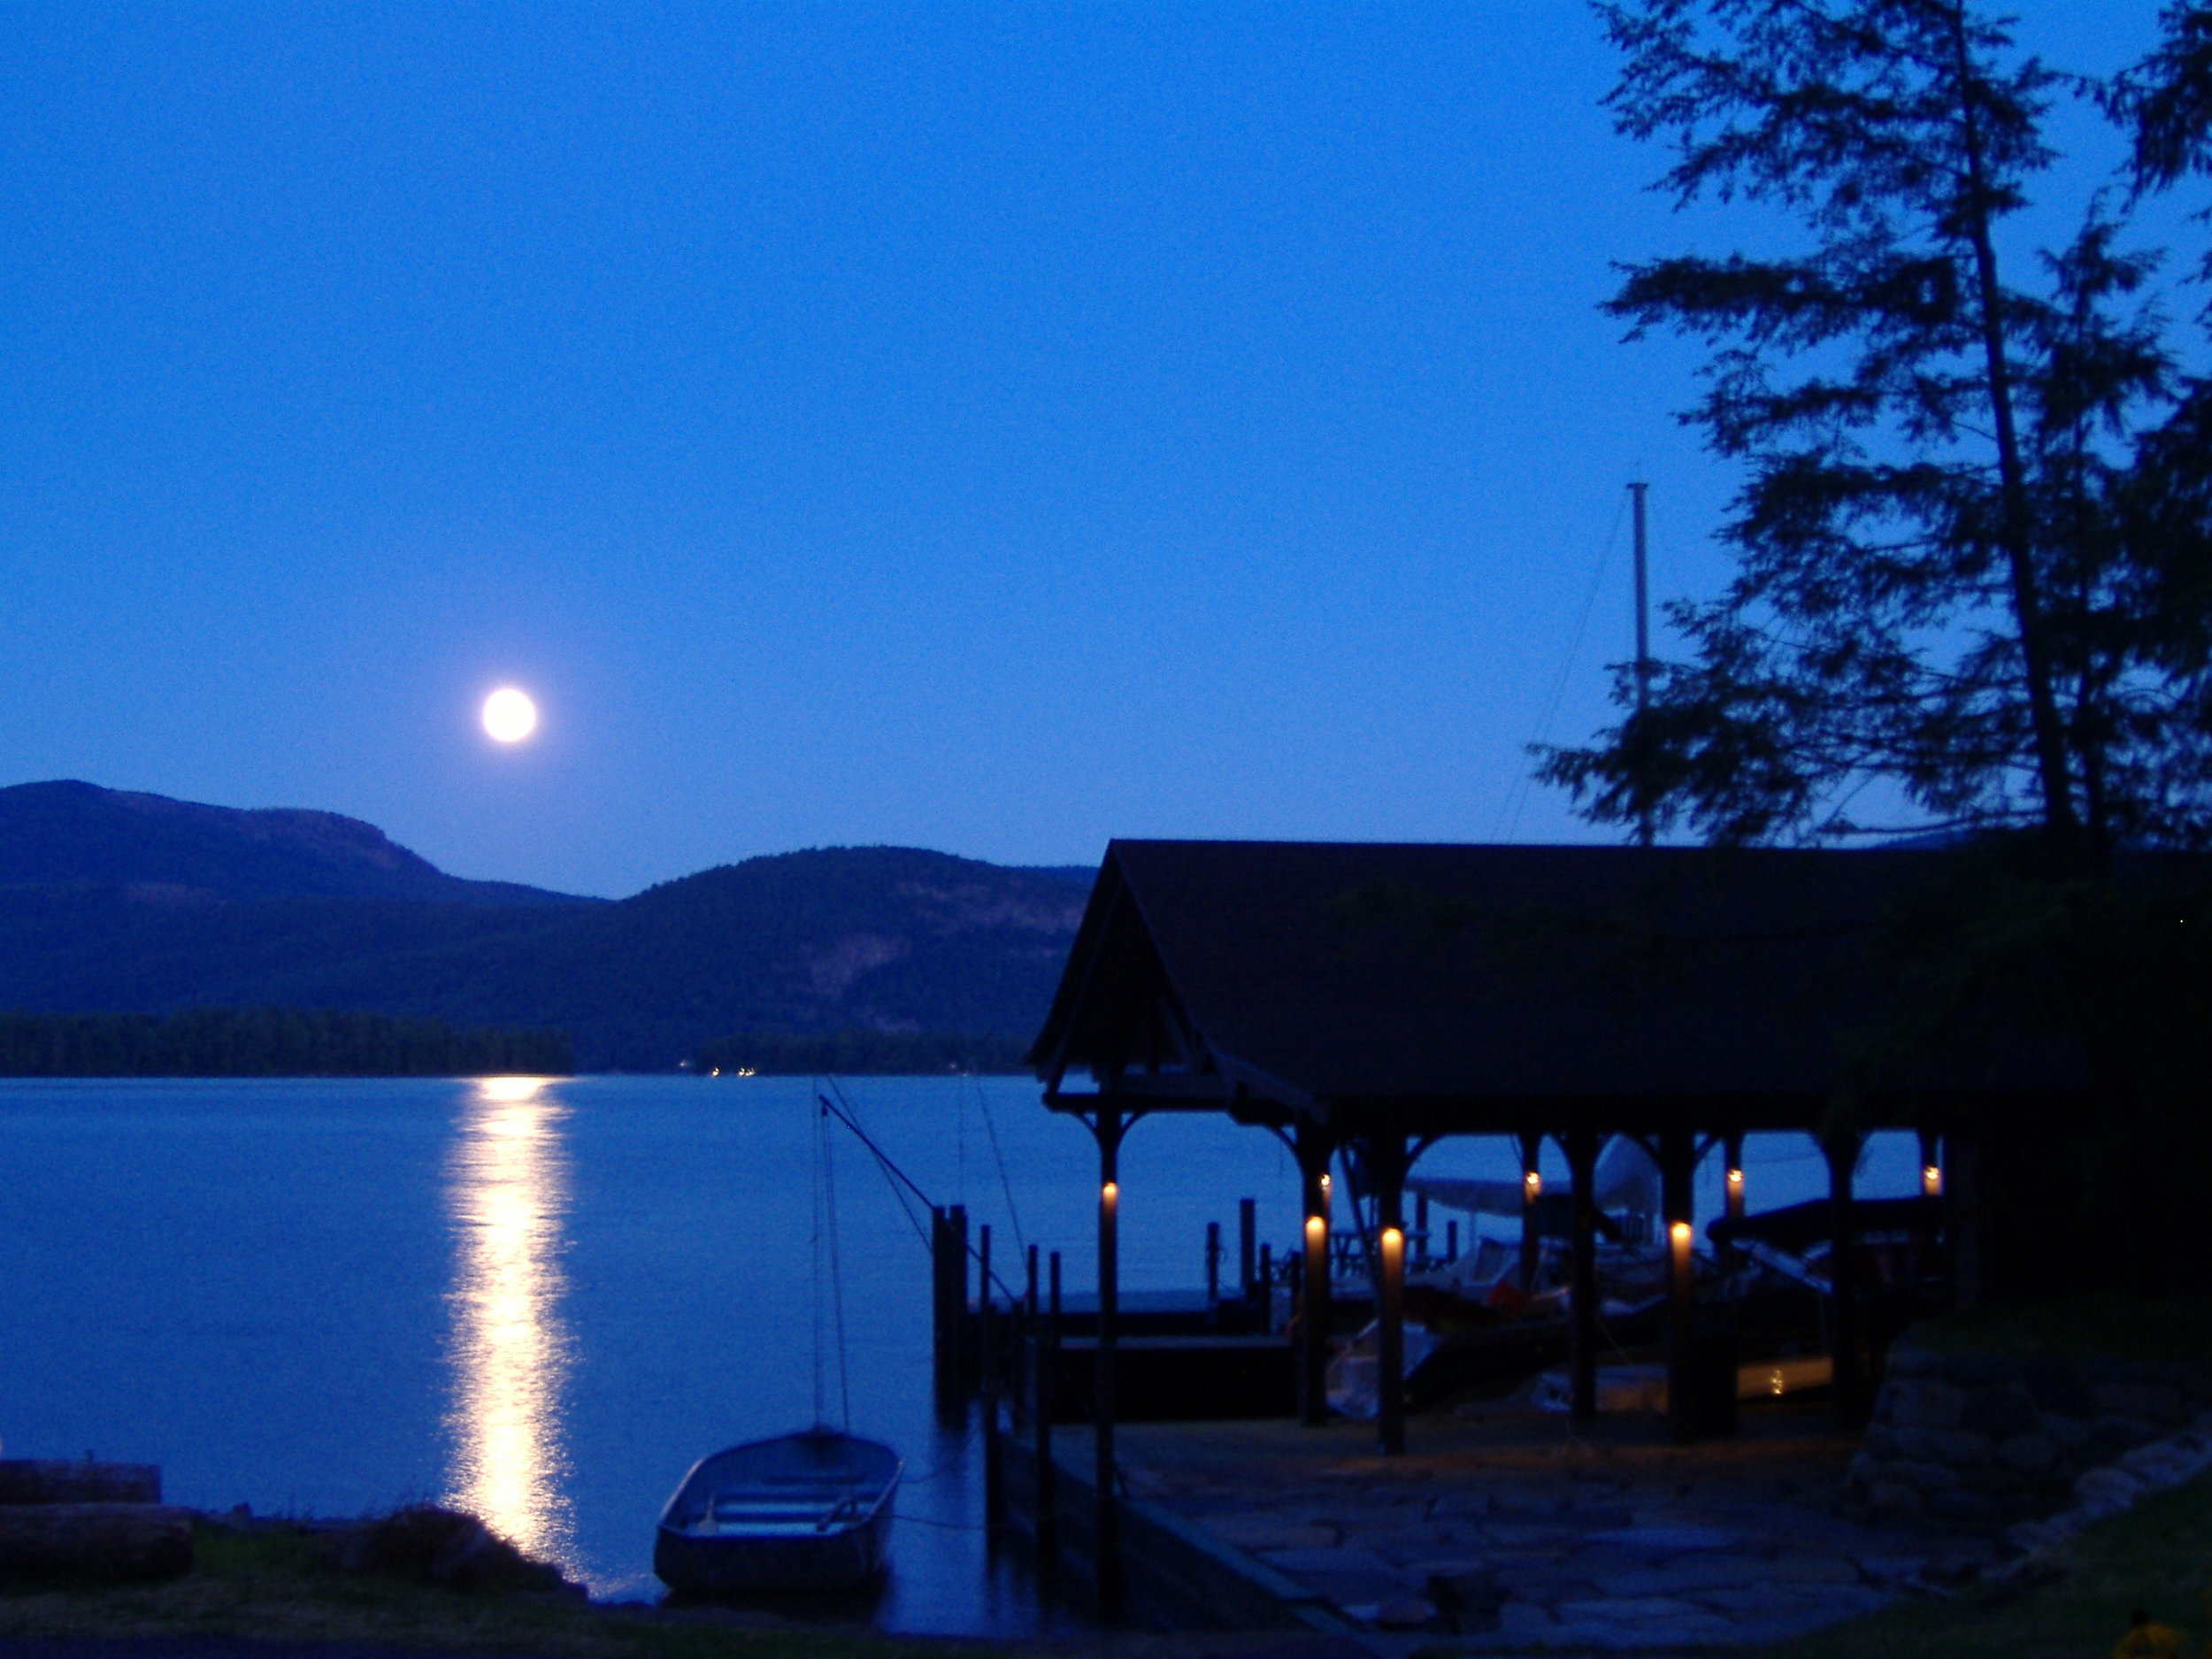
(899, 1177)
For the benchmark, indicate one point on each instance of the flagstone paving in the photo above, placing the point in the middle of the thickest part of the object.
(1503, 1529)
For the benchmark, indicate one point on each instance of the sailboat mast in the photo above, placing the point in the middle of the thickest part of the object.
(1643, 640)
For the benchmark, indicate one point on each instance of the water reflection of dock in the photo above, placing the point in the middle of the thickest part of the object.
(507, 1196)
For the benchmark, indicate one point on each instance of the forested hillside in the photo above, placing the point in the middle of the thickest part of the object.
(165, 910)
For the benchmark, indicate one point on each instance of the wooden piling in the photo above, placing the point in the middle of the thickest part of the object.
(1247, 1236)
(1213, 1264)
(1849, 1342)
(946, 1311)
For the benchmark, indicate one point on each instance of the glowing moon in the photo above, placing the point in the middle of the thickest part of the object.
(508, 716)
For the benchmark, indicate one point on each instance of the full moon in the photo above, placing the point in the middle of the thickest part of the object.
(508, 716)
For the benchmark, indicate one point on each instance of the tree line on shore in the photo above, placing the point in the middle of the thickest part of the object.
(269, 1042)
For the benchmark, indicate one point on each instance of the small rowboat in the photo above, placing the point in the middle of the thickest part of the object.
(801, 1512)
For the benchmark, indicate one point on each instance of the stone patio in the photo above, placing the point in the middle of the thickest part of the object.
(1504, 1529)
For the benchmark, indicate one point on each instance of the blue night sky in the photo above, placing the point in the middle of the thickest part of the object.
(988, 429)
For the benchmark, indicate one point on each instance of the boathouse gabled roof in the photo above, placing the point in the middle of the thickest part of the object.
(1480, 988)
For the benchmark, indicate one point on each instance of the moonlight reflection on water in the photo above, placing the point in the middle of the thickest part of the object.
(507, 1195)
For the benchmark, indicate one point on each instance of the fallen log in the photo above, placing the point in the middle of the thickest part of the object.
(114, 1542)
(55, 1480)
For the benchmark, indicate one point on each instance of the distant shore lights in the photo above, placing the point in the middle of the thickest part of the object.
(508, 716)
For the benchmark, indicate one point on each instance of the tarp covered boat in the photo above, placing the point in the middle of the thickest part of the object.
(807, 1512)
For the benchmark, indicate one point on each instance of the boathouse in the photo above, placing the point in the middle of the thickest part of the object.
(1384, 997)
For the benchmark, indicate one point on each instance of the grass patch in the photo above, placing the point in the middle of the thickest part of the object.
(2158, 1558)
(2105, 1325)
(275, 1583)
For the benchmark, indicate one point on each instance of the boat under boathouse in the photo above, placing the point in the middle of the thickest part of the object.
(1382, 998)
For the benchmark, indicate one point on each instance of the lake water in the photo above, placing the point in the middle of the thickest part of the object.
(542, 1301)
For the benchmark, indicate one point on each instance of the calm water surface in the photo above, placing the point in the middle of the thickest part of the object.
(542, 1301)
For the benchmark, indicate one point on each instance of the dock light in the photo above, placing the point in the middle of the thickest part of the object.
(1532, 1186)
(1931, 1181)
(1109, 1194)
(1735, 1183)
(1394, 1251)
(1679, 1234)
(1316, 1230)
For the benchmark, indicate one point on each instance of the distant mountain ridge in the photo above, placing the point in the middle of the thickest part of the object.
(112, 902)
(54, 835)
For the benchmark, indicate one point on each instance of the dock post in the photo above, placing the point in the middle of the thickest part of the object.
(1213, 1265)
(994, 1457)
(1421, 1229)
(1047, 1397)
(1451, 1242)
(947, 1310)
(1107, 1525)
(1582, 1294)
(1026, 1348)
(1266, 1288)
(1247, 1236)
(1314, 1150)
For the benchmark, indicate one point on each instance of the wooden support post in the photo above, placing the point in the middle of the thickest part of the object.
(1451, 1242)
(1678, 1164)
(1421, 1229)
(1842, 1153)
(1387, 1163)
(1247, 1238)
(1313, 1151)
(979, 1361)
(1582, 1277)
(1963, 1217)
(1532, 1189)
(1107, 1525)
(1048, 1399)
(1213, 1265)
(1732, 1190)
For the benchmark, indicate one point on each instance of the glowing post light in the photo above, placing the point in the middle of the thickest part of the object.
(1532, 1186)
(1735, 1183)
(1931, 1181)
(1109, 1196)
(1394, 1248)
(1316, 1233)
